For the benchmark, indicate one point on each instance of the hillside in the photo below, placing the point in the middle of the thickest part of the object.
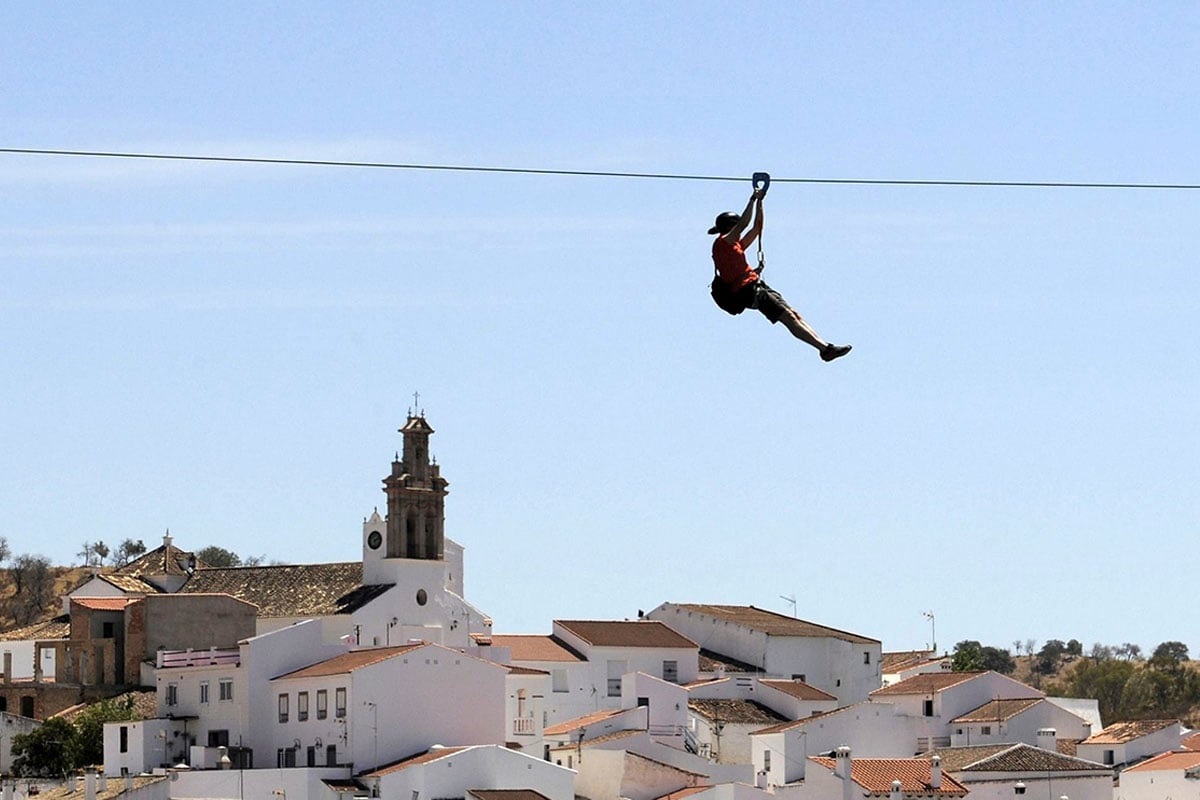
(40, 597)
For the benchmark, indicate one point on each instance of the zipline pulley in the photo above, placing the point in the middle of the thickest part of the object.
(761, 180)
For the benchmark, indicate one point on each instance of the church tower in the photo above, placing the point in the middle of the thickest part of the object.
(416, 498)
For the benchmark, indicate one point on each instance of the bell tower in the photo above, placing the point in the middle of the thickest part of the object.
(416, 498)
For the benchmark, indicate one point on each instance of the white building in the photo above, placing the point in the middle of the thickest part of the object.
(1029, 720)
(1173, 774)
(456, 771)
(843, 664)
(894, 778)
(1129, 742)
(1023, 772)
(931, 701)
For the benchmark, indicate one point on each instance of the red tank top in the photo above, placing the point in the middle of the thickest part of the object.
(731, 264)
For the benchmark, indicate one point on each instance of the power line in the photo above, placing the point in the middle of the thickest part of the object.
(593, 173)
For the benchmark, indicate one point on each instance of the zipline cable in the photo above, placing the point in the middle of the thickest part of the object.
(591, 173)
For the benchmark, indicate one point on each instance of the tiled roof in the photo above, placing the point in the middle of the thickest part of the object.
(798, 689)
(1010, 758)
(773, 624)
(506, 794)
(527, 647)
(348, 662)
(894, 662)
(926, 684)
(1121, 732)
(799, 723)
(145, 703)
(101, 603)
(580, 722)
(57, 628)
(115, 788)
(876, 775)
(711, 661)
(291, 590)
(999, 710)
(1172, 761)
(1191, 742)
(627, 633)
(162, 560)
(421, 758)
(513, 670)
(130, 584)
(737, 712)
(687, 791)
(608, 737)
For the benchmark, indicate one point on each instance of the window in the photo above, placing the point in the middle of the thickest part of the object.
(226, 689)
(218, 738)
(204, 692)
(339, 702)
(928, 708)
(1108, 757)
(285, 757)
(615, 670)
(283, 708)
(124, 744)
(766, 760)
(302, 708)
(172, 694)
(322, 703)
(558, 679)
(986, 730)
(671, 671)
(107, 630)
(867, 657)
(798, 676)
(331, 755)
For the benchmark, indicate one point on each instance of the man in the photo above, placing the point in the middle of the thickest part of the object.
(729, 257)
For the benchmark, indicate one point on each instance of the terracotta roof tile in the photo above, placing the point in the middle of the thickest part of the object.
(506, 794)
(1121, 732)
(412, 761)
(999, 710)
(1011, 758)
(1172, 761)
(290, 590)
(580, 722)
(894, 662)
(57, 628)
(608, 737)
(1191, 742)
(627, 633)
(348, 662)
(799, 723)
(926, 684)
(875, 775)
(162, 560)
(101, 603)
(773, 624)
(798, 689)
(535, 648)
(145, 703)
(737, 712)
(687, 791)
(130, 584)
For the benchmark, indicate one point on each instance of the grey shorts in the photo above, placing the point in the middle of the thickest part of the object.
(769, 302)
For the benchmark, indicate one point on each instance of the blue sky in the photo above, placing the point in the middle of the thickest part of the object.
(227, 350)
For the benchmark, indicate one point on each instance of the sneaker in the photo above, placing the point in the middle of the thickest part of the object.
(831, 351)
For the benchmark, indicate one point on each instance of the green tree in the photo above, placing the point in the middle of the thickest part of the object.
(1103, 680)
(49, 750)
(214, 556)
(1049, 656)
(1169, 656)
(997, 659)
(89, 727)
(128, 550)
(967, 656)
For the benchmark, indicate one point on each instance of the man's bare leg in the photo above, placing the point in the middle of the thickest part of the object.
(802, 331)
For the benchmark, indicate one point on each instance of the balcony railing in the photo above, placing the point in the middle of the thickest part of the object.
(523, 726)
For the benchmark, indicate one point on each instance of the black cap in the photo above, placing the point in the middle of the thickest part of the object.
(725, 222)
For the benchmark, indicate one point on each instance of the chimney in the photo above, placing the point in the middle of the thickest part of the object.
(1047, 739)
(90, 784)
(843, 768)
(103, 785)
(895, 790)
(8, 790)
(128, 779)
(935, 773)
